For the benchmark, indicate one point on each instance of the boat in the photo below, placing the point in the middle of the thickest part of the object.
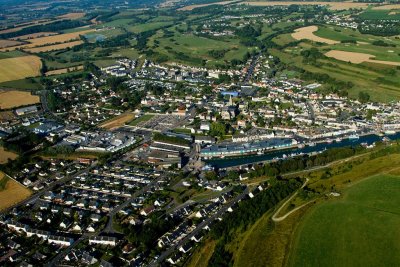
(311, 144)
(329, 141)
(301, 145)
(338, 140)
(390, 132)
(353, 136)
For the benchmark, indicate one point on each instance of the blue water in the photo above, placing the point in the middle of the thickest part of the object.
(236, 161)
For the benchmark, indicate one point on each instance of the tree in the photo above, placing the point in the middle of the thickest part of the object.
(363, 97)
(217, 129)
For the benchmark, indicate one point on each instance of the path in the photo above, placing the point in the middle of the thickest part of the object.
(275, 217)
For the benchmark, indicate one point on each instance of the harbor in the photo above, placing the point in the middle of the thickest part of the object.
(310, 148)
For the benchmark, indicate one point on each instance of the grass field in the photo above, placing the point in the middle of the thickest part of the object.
(13, 193)
(12, 99)
(6, 155)
(19, 68)
(118, 121)
(24, 84)
(143, 118)
(202, 254)
(359, 229)
(65, 70)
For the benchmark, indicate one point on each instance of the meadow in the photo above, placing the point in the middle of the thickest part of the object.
(349, 231)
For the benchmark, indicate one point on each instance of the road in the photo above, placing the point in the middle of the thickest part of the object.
(199, 227)
(250, 70)
(311, 114)
(109, 228)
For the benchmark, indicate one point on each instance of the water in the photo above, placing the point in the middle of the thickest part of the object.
(231, 162)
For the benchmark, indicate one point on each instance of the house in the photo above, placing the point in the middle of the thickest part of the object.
(65, 224)
(88, 259)
(95, 217)
(26, 110)
(205, 126)
(202, 140)
(197, 237)
(244, 176)
(90, 229)
(147, 211)
(60, 240)
(174, 259)
(103, 240)
(76, 228)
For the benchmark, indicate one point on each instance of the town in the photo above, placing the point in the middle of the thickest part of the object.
(138, 161)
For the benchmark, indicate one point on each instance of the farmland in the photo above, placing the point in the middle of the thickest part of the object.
(12, 193)
(71, 15)
(8, 43)
(6, 155)
(65, 70)
(12, 99)
(349, 232)
(369, 66)
(19, 67)
(331, 5)
(357, 58)
(191, 7)
(53, 47)
(308, 33)
(60, 41)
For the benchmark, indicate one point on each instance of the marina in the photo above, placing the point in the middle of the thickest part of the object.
(297, 150)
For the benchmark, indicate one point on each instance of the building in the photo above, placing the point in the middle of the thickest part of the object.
(103, 240)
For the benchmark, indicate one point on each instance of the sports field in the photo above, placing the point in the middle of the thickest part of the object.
(12, 99)
(361, 228)
(19, 68)
(12, 193)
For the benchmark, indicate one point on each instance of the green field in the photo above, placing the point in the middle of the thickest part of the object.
(359, 229)
(143, 118)
(372, 14)
(379, 80)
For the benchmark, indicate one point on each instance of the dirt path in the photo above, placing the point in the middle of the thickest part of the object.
(275, 217)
